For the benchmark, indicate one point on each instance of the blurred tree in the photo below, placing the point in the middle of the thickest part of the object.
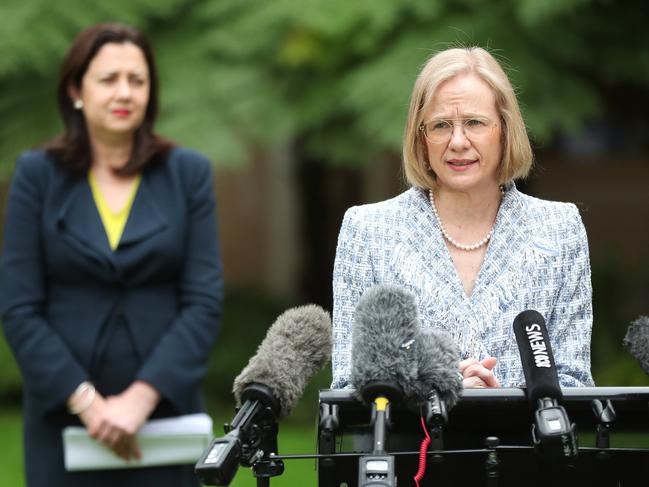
(332, 76)
(335, 76)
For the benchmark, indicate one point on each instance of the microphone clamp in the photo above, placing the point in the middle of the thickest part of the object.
(434, 411)
(553, 436)
(249, 441)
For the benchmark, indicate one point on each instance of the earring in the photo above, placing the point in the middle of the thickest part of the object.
(78, 104)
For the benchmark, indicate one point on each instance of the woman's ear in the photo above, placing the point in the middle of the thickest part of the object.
(74, 93)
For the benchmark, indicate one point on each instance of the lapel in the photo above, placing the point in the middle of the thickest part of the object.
(146, 217)
(510, 237)
(425, 245)
(423, 261)
(431, 269)
(81, 226)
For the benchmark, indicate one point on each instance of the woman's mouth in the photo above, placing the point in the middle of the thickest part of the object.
(121, 112)
(460, 164)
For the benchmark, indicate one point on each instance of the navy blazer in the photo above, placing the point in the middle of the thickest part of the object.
(63, 289)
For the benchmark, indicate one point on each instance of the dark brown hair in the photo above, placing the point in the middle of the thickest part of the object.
(72, 148)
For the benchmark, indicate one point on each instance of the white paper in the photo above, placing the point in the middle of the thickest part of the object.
(168, 441)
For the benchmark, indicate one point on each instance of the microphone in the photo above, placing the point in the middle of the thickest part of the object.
(384, 368)
(385, 329)
(392, 356)
(552, 432)
(636, 341)
(394, 360)
(438, 385)
(296, 346)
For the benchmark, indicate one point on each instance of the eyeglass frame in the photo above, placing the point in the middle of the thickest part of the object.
(452, 121)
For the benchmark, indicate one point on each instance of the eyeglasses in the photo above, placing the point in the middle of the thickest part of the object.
(441, 130)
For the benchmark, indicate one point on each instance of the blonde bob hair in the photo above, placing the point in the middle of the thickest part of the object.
(516, 151)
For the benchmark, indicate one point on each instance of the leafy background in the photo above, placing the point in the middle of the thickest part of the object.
(310, 97)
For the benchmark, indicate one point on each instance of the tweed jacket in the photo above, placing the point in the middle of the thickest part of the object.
(537, 259)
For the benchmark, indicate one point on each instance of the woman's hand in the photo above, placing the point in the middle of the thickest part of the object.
(115, 420)
(106, 427)
(477, 373)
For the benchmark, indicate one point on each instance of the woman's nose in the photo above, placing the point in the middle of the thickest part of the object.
(458, 137)
(123, 88)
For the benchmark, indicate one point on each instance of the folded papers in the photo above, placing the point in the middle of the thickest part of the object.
(168, 441)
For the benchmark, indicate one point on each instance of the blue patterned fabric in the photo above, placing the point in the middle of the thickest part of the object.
(537, 259)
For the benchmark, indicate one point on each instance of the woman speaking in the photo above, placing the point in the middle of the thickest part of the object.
(473, 249)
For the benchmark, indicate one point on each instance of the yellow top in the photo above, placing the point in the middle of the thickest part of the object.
(381, 403)
(114, 222)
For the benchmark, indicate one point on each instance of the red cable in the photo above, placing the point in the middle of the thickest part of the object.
(423, 450)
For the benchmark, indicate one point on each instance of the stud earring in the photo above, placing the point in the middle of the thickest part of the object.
(78, 104)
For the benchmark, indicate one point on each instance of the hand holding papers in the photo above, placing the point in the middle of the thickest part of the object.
(167, 441)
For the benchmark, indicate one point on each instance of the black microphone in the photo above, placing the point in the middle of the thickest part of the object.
(552, 433)
(384, 368)
(636, 341)
(296, 346)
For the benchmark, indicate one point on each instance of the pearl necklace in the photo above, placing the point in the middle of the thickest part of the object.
(450, 239)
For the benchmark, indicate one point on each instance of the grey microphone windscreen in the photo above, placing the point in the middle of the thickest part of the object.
(385, 325)
(296, 346)
(636, 341)
(438, 367)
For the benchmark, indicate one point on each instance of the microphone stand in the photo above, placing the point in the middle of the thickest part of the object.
(492, 463)
(377, 469)
(436, 417)
(329, 423)
(263, 466)
(605, 416)
(250, 441)
(262, 437)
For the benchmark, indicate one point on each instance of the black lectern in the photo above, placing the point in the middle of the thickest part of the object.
(487, 440)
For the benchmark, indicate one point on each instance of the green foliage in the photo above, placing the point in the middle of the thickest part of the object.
(10, 380)
(33, 45)
(534, 12)
(11, 448)
(245, 321)
(619, 297)
(333, 75)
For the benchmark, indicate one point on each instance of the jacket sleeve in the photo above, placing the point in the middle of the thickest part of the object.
(572, 318)
(50, 372)
(352, 275)
(178, 363)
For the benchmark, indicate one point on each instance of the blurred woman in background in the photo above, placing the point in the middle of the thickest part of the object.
(111, 277)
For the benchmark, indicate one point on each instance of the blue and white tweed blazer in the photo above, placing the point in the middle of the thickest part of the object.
(537, 259)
